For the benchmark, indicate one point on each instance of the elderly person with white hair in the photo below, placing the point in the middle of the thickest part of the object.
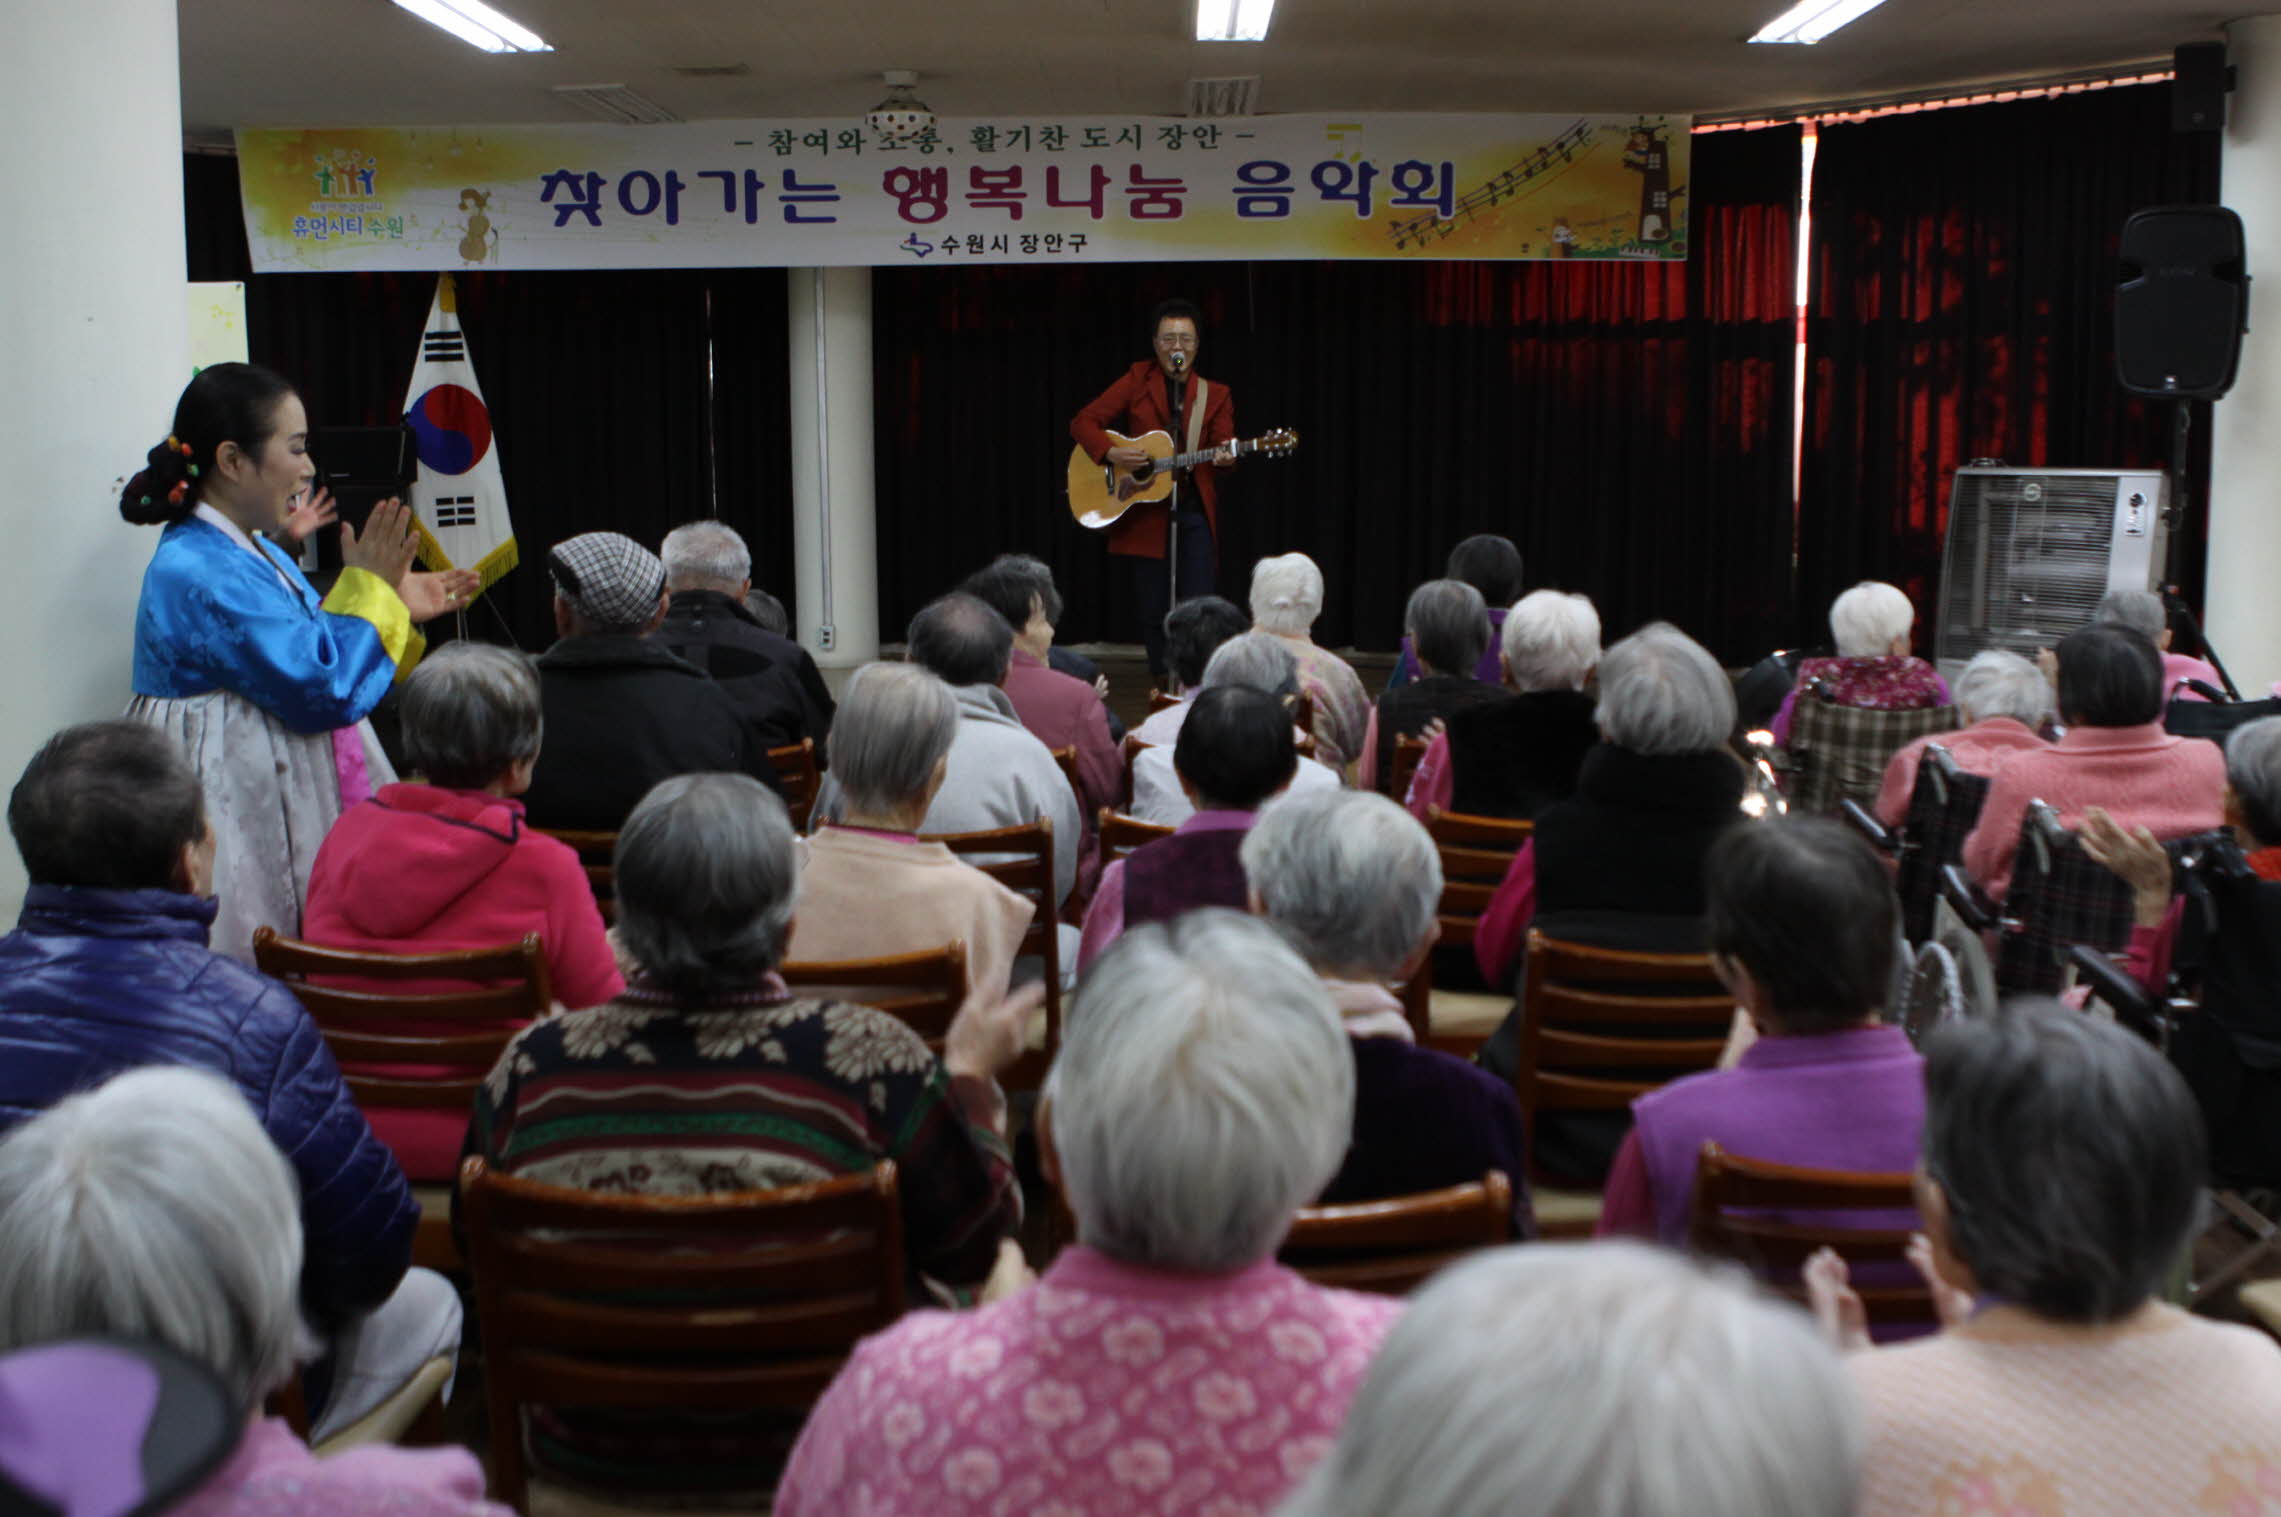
(1594, 1380)
(2004, 702)
(1873, 624)
(1166, 1362)
(1253, 661)
(2060, 1185)
(709, 1075)
(1515, 756)
(1446, 634)
(1286, 597)
(772, 680)
(154, 1207)
(868, 886)
(2142, 611)
(1355, 883)
(447, 861)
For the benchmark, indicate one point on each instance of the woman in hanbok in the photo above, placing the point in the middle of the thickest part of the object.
(264, 684)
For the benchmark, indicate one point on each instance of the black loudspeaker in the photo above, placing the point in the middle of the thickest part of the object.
(2183, 302)
(2198, 85)
(362, 466)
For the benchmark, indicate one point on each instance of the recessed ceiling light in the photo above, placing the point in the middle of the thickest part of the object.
(1808, 21)
(1233, 20)
(478, 25)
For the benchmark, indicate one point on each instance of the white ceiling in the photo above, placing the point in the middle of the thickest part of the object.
(365, 62)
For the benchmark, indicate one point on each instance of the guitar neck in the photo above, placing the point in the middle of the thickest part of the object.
(1204, 456)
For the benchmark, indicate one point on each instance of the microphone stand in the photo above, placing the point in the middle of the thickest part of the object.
(1172, 499)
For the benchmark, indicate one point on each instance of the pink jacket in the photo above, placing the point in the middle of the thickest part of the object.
(273, 1474)
(1978, 749)
(419, 869)
(2142, 776)
(1063, 711)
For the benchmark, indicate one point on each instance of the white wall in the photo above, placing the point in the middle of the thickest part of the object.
(92, 350)
(835, 515)
(2244, 610)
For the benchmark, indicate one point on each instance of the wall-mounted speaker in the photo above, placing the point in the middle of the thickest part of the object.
(2199, 81)
(2182, 302)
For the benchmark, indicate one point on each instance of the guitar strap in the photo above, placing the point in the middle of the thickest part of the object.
(1197, 401)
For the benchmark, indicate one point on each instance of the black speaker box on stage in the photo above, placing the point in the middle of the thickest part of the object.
(2199, 81)
(362, 466)
(2182, 303)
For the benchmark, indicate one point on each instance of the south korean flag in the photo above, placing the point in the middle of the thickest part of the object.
(457, 496)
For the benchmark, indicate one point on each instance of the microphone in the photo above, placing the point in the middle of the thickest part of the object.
(1179, 358)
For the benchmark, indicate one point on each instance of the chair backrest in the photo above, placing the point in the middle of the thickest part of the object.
(1772, 1217)
(459, 1031)
(1409, 752)
(1601, 1027)
(1066, 759)
(1840, 752)
(1021, 859)
(1120, 834)
(1130, 750)
(749, 1300)
(595, 851)
(1159, 701)
(1391, 1245)
(922, 990)
(1476, 852)
(1942, 810)
(798, 777)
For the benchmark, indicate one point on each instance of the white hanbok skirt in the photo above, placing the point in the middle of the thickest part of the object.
(271, 794)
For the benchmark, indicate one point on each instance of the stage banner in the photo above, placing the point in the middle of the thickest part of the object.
(459, 500)
(1040, 190)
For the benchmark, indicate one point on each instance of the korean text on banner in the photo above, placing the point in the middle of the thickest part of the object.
(807, 193)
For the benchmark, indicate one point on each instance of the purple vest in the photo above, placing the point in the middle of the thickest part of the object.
(1842, 1100)
(1182, 872)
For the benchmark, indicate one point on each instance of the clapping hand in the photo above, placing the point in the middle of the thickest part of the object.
(387, 547)
(2136, 857)
(314, 508)
(987, 1035)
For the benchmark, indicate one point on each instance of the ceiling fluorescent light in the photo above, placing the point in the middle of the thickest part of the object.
(1233, 20)
(478, 25)
(1808, 21)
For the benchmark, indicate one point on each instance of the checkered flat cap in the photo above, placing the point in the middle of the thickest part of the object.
(611, 580)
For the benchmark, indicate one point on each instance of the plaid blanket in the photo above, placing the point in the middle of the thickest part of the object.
(1840, 752)
(2061, 897)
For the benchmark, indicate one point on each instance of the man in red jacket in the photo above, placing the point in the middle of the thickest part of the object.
(1165, 393)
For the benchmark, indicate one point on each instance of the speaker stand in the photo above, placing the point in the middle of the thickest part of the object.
(2174, 512)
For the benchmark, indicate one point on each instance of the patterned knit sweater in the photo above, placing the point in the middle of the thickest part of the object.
(2013, 1415)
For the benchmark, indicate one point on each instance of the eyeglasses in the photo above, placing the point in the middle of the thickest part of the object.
(1176, 342)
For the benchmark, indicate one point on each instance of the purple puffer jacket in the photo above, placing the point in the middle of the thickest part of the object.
(93, 982)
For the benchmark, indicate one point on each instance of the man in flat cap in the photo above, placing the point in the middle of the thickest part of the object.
(621, 711)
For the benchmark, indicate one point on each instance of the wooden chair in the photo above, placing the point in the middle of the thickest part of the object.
(1021, 859)
(1128, 751)
(1772, 1217)
(460, 1033)
(1409, 752)
(1601, 1027)
(1476, 852)
(798, 777)
(1159, 701)
(747, 1301)
(1390, 1246)
(1120, 834)
(923, 990)
(1066, 759)
(595, 851)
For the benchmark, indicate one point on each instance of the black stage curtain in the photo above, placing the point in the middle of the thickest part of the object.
(1628, 425)
(1962, 307)
(630, 401)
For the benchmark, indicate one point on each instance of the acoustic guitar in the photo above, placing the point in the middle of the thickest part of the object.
(1100, 493)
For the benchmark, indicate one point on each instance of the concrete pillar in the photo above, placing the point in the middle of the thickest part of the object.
(835, 538)
(93, 351)
(2244, 612)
